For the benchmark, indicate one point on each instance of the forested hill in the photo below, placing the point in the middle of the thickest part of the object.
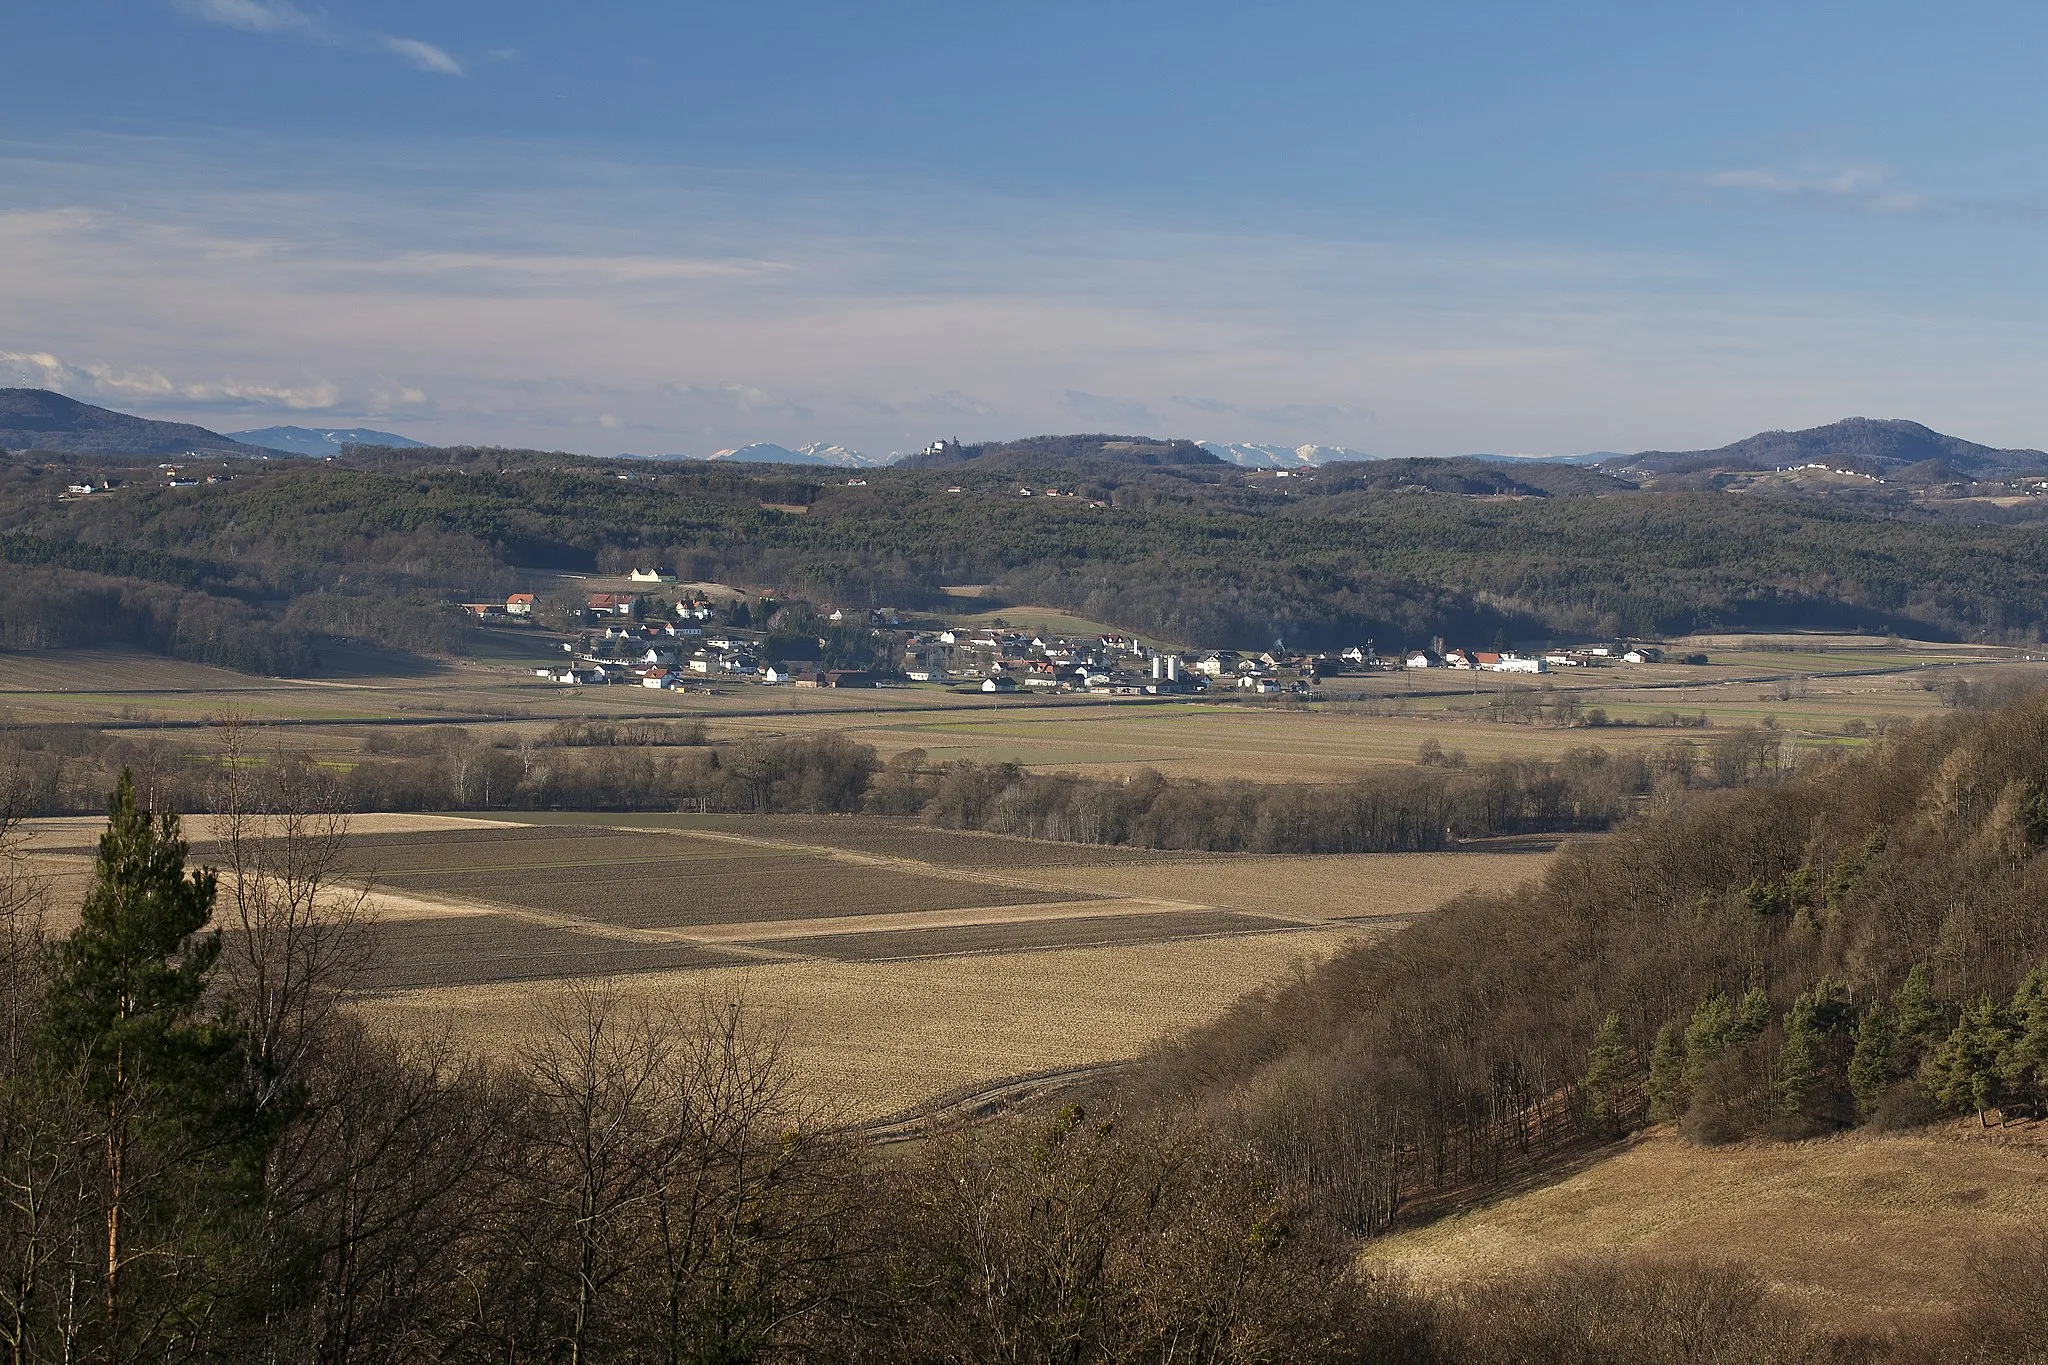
(1878, 445)
(1208, 555)
(1860, 943)
(36, 419)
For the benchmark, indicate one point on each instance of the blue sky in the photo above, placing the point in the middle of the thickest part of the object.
(1408, 229)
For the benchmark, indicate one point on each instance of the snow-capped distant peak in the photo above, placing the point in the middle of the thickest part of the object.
(818, 453)
(1250, 456)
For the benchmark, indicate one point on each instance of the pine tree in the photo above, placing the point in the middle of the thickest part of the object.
(1964, 1072)
(123, 1007)
(1870, 1065)
(1923, 1020)
(2023, 1070)
(1667, 1088)
(1706, 1038)
(1607, 1077)
(1752, 1017)
(1810, 1081)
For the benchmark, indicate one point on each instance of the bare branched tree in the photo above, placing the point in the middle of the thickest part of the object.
(296, 934)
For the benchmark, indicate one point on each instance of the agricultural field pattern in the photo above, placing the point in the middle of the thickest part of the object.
(901, 962)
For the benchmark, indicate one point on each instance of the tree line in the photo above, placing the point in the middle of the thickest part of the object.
(669, 766)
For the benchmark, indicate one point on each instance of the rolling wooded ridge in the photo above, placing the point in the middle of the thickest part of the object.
(250, 573)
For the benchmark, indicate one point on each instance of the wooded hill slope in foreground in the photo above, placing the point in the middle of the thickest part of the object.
(1863, 943)
(249, 573)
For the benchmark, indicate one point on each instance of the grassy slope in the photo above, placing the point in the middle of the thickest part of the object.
(1862, 1230)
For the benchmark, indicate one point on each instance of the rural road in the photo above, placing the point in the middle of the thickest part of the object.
(961, 1108)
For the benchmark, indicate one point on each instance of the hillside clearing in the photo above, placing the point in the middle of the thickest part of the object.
(1862, 1230)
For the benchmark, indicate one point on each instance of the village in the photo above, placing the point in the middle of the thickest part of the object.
(688, 640)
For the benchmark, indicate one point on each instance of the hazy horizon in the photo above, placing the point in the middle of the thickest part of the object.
(1468, 229)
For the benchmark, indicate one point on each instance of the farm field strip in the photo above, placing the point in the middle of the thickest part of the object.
(477, 948)
(1081, 931)
(876, 1038)
(888, 837)
(1038, 912)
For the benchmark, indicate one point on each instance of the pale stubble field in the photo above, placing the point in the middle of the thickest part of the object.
(900, 963)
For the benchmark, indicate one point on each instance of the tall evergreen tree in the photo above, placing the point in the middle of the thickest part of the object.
(1965, 1071)
(1706, 1037)
(1923, 1018)
(1752, 1017)
(123, 1013)
(1870, 1065)
(1667, 1088)
(1607, 1077)
(2023, 1070)
(1812, 1080)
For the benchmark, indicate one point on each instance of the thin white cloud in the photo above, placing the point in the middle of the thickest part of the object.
(738, 400)
(254, 16)
(91, 380)
(1865, 188)
(565, 268)
(528, 298)
(425, 56)
(284, 19)
(1096, 407)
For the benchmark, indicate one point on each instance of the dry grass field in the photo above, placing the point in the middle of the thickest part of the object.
(1862, 1230)
(904, 962)
(876, 1038)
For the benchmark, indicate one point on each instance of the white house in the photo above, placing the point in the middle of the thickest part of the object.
(1000, 683)
(774, 673)
(1643, 654)
(1516, 663)
(1422, 658)
(651, 576)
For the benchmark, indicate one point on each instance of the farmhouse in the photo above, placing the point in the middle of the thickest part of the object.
(1643, 654)
(611, 603)
(651, 576)
(1002, 682)
(1422, 658)
(519, 604)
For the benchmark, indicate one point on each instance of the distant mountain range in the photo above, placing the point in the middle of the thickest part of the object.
(1899, 451)
(1281, 457)
(309, 441)
(767, 452)
(1041, 452)
(37, 419)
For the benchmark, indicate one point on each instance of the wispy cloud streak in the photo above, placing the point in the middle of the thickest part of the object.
(281, 18)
